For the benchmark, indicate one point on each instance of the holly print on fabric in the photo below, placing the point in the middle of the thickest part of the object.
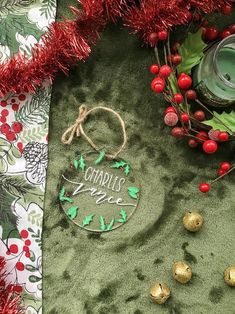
(23, 153)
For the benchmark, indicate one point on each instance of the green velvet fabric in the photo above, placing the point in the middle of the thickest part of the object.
(111, 273)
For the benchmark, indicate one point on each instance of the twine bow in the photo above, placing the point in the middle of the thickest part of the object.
(77, 129)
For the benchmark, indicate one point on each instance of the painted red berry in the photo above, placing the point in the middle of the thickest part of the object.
(162, 35)
(158, 85)
(171, 119)
(226, 32)
(24, 234)
(14, 248)
(27, 242)
(211, 33)
(25, 248)
(27, 254)
(204, 187)
(15, 107)
(191, 94)
(223, 136)
(17, 127)
(176, 59)
(154, 69)
(202, 136)
(165, 71)
(19, 266)
(192, 143)
(22, 97)
(5, 128)
(3, 119)
(199, 115)
(225, 166)
(178, 98)
(210, 147)
(153, 39)
(185, 117)
(184, 82)
(20, 147)
(227, 9)
(177, 132)
(10, 136)
(3, 103)
(169, 109)
(18, 289)
(5, 112)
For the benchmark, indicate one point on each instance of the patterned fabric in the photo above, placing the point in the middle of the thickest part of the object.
(23, 152)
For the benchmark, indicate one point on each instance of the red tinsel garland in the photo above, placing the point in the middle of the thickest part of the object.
(68, 41)
(10, 300)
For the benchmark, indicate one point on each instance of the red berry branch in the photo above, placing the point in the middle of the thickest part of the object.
(177, 89)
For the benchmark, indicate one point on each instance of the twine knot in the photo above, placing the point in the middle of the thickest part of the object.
(77, 129)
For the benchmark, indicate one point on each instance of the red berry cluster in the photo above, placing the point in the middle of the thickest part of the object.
(14, 249)
(8, 128)
(224, 169)
(212, 33)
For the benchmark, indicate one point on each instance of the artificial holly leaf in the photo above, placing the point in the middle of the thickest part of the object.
(110, 225)
(82, 163)
(173, 83)
(119, 164)
(191, 52)
(127, 170)
(72, 212)
(87, 220)
(219, 121)
(100, 157)
(132, 191)
(102, 223)
(75, 163)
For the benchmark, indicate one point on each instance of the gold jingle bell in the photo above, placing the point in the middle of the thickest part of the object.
(182, 272)
(192, 221)
(229, 276)
(159, 292)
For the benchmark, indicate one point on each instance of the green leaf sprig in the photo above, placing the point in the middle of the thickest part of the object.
(133, 192)
(62, 196)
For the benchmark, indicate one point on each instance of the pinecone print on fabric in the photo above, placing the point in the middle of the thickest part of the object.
(36, 155)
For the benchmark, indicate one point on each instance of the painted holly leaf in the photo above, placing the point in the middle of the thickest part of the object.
(110, 225)
(87, 220)
(119, 164)
(191, 52)
(62, 192)
(219, 121)
(67, 199)
(72, 212)
(123, 215)
(100, 157)
(127, 169)
(82, 163)
(64, 198)
(132, 191)
(102, 223)
(75, 164)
